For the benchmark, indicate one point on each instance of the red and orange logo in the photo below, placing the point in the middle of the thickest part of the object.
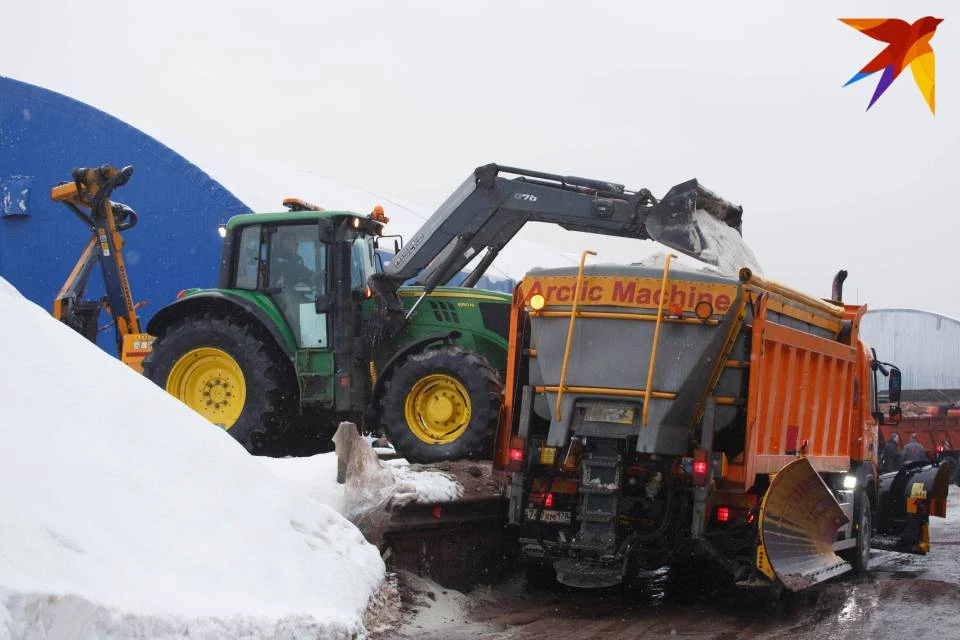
(907, 44)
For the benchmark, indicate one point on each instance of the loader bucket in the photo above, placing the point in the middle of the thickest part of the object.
(799, 519)
(695, 221)
(907, 500)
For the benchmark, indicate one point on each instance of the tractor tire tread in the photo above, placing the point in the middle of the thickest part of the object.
(483, 384)
(261, 361)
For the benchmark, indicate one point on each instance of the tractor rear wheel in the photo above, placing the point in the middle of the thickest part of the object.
(442, 404)
(226, 372)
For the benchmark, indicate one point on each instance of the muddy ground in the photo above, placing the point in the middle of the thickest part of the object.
(903, 597)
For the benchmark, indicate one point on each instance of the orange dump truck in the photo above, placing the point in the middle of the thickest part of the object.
(656, 415)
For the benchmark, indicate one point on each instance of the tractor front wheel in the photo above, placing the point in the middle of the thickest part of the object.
(442, 404)
(224, 371)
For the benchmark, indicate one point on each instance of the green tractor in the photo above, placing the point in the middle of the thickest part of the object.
(305, 329)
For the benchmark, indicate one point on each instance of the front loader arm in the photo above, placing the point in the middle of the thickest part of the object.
(488, 210)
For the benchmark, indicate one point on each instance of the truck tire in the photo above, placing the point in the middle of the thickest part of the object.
(225, 371)
(442, 404)
(859, 556)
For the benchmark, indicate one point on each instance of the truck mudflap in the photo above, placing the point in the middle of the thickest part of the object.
(798, 524)
(908, 498)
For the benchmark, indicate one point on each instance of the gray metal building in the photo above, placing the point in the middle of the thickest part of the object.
(925, 345)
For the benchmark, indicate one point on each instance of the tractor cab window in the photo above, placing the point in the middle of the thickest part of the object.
(297, 277)
(362, 262)
(249, 258)
(296, 261)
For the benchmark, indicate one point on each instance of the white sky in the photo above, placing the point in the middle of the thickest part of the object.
(406, 98)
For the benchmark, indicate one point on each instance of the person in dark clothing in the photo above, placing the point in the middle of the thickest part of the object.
(913, 451)
(890, 459)
(288, 266)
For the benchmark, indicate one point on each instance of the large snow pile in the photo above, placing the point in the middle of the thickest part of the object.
(373, 490)
(125, 514)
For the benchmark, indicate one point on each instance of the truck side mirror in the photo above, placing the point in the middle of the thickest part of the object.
(894, 389)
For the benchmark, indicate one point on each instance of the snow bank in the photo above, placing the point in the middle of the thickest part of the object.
(379, 483)
(124, 513)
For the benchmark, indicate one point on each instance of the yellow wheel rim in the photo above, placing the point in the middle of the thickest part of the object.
(210, 382)
(437, 409)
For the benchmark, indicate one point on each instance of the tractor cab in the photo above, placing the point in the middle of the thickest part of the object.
(293, 260)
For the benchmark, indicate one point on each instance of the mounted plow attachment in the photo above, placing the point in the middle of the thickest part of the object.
(799, 519)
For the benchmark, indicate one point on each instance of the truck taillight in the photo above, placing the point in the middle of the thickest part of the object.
(548, 502)
(723, 514)
(516, 454)
(700, 467)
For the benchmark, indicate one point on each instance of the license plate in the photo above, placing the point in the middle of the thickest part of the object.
(558, 517)
(608, 413)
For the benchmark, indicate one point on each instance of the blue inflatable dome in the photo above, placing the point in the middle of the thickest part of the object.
(43, 136)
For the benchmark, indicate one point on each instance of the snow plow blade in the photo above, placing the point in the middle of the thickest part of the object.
(798, 524)
(682, 221)
(907, 500)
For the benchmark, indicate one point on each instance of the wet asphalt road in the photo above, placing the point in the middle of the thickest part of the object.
(902, 598)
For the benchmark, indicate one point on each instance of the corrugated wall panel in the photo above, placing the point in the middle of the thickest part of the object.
(925, 345)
